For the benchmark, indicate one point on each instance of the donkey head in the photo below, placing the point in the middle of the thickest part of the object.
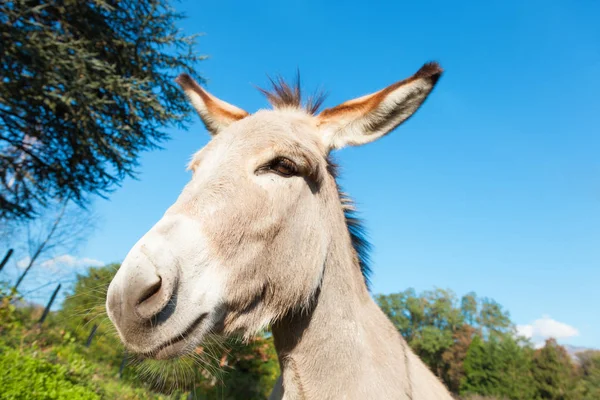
(248, 238)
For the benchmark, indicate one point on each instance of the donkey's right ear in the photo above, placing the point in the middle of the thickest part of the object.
(215, 113)
(370, 117)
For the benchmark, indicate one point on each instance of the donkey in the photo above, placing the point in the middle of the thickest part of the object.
(262, 237)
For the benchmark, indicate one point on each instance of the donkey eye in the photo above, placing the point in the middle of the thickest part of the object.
(283, 167)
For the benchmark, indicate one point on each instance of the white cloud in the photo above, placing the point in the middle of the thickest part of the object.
(67, 260)
(525, 331)
(62, 261)
(22, 263)
(541, 329)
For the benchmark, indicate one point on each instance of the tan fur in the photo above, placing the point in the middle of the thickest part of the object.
(254, 249)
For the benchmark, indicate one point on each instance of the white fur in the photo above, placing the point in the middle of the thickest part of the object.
(175, 243)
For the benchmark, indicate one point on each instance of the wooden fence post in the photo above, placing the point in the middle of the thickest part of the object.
(47, 310)
(91, 336)
(5, 259)
(122, 367)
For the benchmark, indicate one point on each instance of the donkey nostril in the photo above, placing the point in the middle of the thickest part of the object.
(154, 298)
(150, 291)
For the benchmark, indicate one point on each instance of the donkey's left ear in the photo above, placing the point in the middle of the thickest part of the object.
(370, 117)
(215, 113)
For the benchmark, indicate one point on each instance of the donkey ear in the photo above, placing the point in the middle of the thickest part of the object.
(215, 113)
(370, 117)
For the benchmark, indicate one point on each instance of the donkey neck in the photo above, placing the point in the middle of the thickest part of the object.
(343, 346)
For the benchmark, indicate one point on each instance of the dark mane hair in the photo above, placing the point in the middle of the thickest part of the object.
(358, 234)
(282, 95)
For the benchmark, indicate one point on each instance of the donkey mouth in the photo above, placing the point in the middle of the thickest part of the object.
(179, 344)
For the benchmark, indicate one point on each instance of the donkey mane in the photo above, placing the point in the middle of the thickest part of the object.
(285, 95)
(356, 228)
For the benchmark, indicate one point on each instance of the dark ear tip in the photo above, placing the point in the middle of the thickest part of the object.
(431, 70)
(185, 80)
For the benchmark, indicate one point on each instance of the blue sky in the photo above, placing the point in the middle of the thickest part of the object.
(493, 186)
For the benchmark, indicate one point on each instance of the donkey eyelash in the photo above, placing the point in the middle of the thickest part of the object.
(281, 166)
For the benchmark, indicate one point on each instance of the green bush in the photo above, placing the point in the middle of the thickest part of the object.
(50, 362)
(25, 376)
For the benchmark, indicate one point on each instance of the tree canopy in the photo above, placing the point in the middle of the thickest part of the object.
(86, 87)
(438, 326)
(554, 372)
(471, 344)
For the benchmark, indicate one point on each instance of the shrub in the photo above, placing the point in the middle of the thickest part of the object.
(24, 376)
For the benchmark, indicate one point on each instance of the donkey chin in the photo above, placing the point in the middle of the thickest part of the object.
(162, 307)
